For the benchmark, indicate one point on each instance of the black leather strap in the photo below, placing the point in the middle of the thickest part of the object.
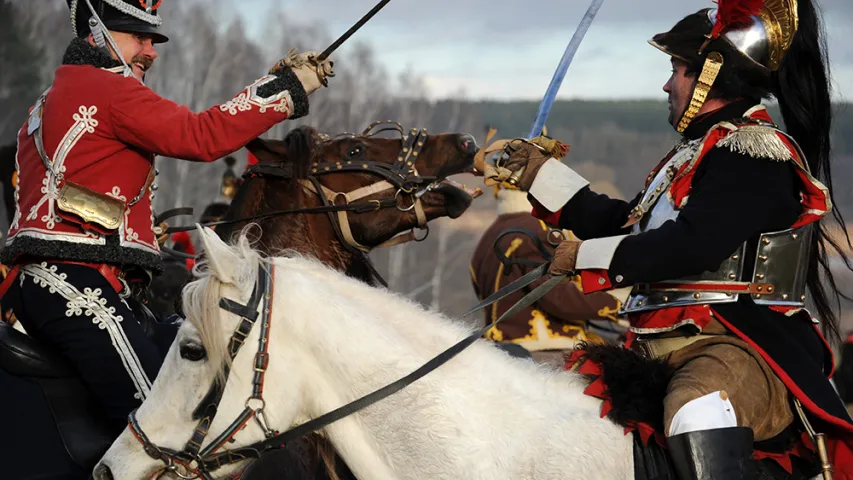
(350, 207)
(717, 454)
(172, 213)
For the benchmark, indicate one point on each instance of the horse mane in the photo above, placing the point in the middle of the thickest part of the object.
(300, 144)
(220, 265)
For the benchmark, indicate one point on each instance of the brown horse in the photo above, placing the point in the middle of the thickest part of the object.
(284, 180)
(404, 178)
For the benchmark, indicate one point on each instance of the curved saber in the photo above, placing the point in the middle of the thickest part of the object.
(343, 38)
(560, 73)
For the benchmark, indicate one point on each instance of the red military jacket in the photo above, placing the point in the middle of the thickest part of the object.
(102, 130)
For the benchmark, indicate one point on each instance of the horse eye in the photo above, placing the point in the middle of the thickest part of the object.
(355, 151)
(193, 352)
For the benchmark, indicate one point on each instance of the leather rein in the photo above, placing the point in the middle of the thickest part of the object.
(193, 462)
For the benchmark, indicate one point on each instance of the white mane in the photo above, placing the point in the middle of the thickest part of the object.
(200, 298)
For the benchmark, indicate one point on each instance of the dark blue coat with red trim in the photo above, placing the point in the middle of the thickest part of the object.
(724, 198)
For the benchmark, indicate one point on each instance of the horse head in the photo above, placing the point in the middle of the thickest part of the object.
(227, 383)
(197, 391)
(393, 185)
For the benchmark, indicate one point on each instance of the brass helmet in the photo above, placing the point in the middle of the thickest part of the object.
(230, 180)
(742, 42)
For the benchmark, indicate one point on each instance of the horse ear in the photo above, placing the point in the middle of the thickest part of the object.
(221, 259)
(267, 151)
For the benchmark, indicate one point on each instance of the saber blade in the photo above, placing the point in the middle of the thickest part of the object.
(560, 73)
(343, 38)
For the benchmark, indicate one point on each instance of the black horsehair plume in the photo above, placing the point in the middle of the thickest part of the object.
(802, 87)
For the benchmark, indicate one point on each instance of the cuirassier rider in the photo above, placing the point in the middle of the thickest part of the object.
(724, 242)
(83, 224)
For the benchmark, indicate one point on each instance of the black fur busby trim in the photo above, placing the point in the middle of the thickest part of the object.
(739, 76)
(287, 80)
(81, 52)
(635, 385)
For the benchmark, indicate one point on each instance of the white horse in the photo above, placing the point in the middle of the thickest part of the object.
(483, 415)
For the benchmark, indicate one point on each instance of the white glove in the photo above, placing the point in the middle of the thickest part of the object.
(310, 73)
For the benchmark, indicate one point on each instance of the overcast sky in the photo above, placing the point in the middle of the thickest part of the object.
(508, 49)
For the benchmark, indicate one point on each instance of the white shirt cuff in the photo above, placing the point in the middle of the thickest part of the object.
(555, 184)
(598, 253)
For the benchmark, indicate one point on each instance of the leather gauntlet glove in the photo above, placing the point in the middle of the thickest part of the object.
(565, 257)
(518, 161)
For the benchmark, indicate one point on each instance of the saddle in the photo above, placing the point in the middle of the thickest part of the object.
(84, 432)
(85, 435)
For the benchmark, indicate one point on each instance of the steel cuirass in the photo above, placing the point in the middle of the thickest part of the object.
(776, 277)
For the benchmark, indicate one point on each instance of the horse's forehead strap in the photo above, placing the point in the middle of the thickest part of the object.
(250, 309)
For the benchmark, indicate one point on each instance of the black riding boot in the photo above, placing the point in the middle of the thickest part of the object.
(718, 454)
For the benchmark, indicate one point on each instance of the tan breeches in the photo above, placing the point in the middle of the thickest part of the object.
(726, 363)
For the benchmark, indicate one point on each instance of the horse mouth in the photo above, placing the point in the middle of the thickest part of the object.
(458, 197)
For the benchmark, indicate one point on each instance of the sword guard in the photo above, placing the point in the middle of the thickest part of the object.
(322, 72)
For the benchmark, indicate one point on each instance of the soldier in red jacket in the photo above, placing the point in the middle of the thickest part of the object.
(82, 229)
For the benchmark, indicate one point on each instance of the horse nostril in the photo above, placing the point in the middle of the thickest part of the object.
(467, 144)
(102, 472)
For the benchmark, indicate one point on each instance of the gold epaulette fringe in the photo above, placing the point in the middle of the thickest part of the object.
(757, 141)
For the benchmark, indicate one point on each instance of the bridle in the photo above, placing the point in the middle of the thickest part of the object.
(402, 176)
(195, 460)
(199, 463)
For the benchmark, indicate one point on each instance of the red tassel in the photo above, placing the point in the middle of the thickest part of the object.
(734, 13)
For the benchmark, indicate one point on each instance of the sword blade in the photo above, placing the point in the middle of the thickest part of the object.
(562, 68)
(343, 38)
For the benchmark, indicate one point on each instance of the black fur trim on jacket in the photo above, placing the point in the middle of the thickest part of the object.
(635, 385)
(81, 52)
(32, 249)
(287, 80)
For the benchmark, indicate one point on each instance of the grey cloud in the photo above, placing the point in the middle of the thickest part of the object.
(516, 27)
(523, 15)
(504, 23)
